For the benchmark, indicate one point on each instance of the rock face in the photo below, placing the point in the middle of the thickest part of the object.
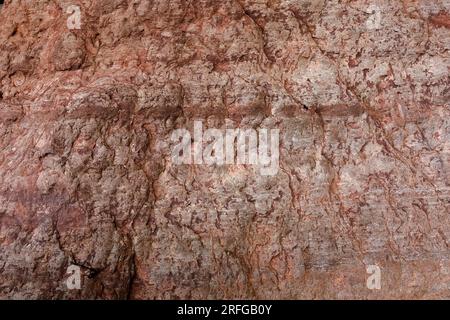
(91, 92)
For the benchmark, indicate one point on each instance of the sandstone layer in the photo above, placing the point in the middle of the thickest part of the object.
(358, 89)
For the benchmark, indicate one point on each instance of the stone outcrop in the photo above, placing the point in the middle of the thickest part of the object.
(91, 91)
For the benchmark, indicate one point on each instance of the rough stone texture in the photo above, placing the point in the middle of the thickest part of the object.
(86, 176)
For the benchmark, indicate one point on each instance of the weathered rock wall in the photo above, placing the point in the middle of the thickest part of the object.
(358, 89)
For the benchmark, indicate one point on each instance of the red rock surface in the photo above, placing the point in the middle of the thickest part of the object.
(86, 177)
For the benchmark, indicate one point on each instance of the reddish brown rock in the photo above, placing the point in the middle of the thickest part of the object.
(360, 94)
